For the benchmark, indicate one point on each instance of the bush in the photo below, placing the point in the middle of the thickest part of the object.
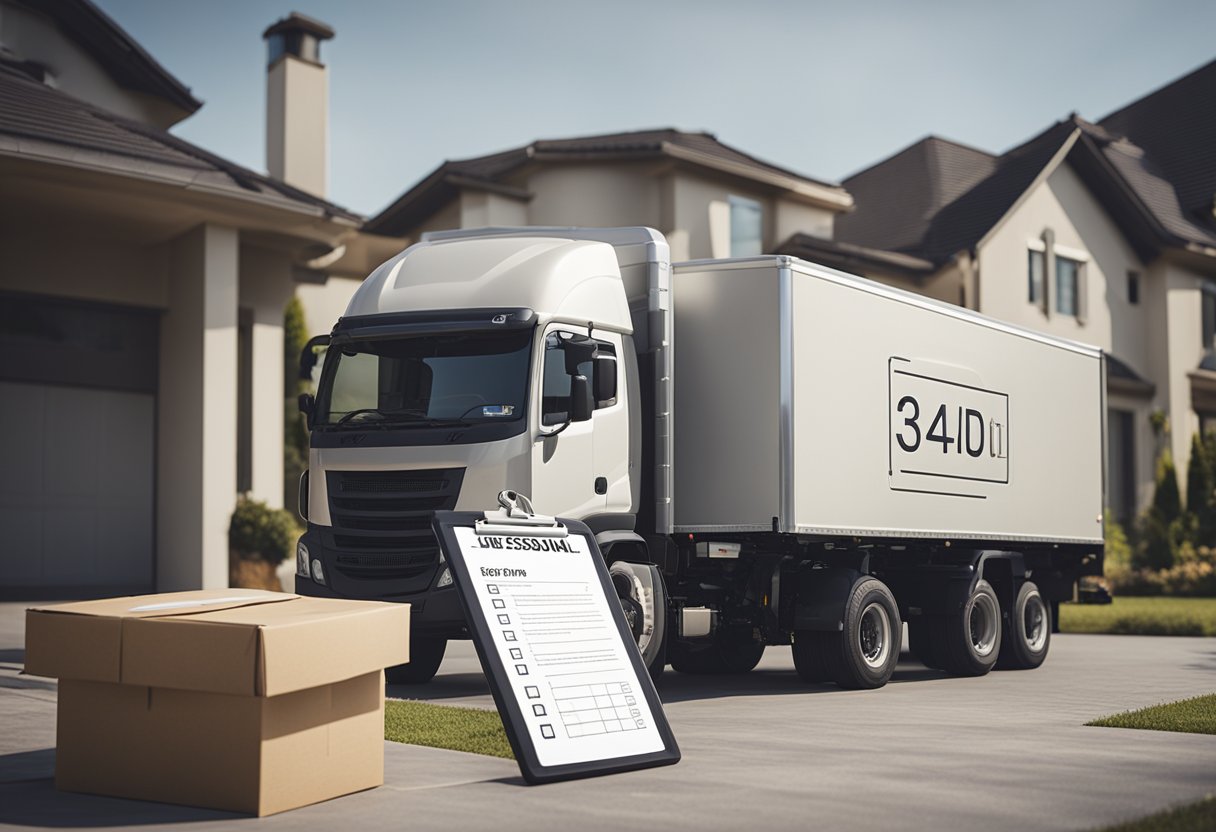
(1164, 527)
(259, 532)
(295, 432)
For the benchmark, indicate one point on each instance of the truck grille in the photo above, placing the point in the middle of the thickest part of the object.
(382, 521)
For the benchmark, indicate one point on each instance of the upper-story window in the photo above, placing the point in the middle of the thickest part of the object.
(746, 227)
(1036, 268)
(1208, 327)
(1133, 287)
(1068, 285)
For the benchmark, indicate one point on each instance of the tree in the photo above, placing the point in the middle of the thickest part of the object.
(1163, 523)
(295, 432)
(1199, 493)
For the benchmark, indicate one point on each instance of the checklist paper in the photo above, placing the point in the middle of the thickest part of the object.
(551, 627)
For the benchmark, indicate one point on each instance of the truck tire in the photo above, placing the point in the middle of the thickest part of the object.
(426, 654)
(864, 653)
(971, 637)
(639, 586)
(807, 649)
(725, 655)
(1027, 634)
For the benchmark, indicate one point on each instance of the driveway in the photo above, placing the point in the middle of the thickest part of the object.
(1008, 751)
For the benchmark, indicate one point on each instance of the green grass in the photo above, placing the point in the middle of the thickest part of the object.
(1190, 716)
(1197, 817)
(1142, 617)
(440, 726)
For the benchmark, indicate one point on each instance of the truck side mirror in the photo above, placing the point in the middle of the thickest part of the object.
(308, 406)
(581, 401)
(308, 356)
(605, 379)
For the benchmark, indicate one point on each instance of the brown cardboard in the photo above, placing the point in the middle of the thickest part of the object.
(230, 699)
(239, 642)
(259, 755)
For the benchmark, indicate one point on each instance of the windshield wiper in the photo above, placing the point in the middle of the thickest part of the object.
(397, 418)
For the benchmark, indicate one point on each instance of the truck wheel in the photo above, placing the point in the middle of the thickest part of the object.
(807, 650)
(639, 586)
(864, 653)
(723, 656)
(426, 654)
(972, 637)
(1027, 637)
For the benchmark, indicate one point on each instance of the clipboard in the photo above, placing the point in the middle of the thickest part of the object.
(574, 696)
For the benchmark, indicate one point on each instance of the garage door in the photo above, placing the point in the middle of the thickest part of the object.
(77, 436)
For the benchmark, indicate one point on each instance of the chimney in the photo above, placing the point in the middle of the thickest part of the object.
(297, 102)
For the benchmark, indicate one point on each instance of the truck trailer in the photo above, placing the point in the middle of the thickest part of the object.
(770, 452)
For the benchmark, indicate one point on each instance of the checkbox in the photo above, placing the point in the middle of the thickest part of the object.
(504, 619)
(492, 589)
(538, 710)
(532, 692)
(500, 604)
(629, 700)
(641, 723)
(626, 689)
(546, 731)
(516, 653)
(521, 669)
(508, 635)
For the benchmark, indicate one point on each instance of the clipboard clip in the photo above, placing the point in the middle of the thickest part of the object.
(518, 517)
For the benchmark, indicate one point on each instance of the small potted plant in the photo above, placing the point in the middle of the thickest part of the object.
(259, 539)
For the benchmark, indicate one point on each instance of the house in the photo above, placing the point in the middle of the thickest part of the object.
(141, 308)
(1100, 232)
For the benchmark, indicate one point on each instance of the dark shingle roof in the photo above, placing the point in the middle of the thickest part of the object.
(493, 171)
(74, 130)
(1168, 155)
(1152, 165)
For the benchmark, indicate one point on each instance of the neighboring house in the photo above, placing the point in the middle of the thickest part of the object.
(708, 198)
(141, 309)
(1102, 233)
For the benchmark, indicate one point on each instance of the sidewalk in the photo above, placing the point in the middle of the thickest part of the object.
(1007, 751)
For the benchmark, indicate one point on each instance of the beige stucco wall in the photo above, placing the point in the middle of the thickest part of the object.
(34, 37)
(799, 218)
(594, 195)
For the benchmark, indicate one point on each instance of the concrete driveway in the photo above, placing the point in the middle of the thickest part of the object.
(1007, 751)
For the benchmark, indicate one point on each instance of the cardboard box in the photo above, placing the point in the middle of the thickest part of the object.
(231, 699)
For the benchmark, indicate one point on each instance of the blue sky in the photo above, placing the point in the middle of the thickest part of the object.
(824, 88)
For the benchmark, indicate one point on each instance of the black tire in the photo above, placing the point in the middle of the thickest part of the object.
(1026, 637)
(426, 654)
(807, 648)
(725, 655)
(639, 587)
(863, 655)
(971, 640)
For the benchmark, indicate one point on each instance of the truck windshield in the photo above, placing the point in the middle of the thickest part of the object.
(426, 380)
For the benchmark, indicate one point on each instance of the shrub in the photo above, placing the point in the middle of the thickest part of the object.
(259, 532)
(1164, 527)
(295, 432)
(1199, 488)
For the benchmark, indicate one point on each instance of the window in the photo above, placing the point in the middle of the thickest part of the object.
(1068, 283)
(1133, 288)
(1208, 328)
(746, 227)
(555, 392)
(1034, 272)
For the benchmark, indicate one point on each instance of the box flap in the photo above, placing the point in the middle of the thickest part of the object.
(316, 641)
(85, 639)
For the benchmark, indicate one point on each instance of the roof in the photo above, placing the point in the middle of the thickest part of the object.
(122, 57)
(1151, 164)
(296, 22)
(40, 121)
(852, 257)
(493, 172)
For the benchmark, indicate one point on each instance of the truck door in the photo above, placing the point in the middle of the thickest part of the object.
(563, 458)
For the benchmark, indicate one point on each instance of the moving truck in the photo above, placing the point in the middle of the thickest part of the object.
(770, 452)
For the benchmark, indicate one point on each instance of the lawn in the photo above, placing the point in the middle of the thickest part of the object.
(440, 726)
(1142, 617)
(1191, 716)
(1197, 817)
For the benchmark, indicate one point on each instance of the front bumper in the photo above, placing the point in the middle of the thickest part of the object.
(434, 611)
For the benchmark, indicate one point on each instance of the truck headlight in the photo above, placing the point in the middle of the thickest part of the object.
(318, 574)
(445, 579)
(302, 560)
